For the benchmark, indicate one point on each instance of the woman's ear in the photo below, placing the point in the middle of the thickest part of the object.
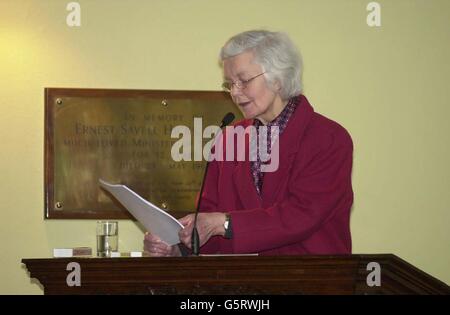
(277, 86)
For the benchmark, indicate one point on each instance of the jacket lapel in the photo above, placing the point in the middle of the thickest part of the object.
(245, 187)
(289, 143)
(242, 177)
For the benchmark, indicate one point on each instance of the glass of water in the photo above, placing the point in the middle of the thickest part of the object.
(107, 238)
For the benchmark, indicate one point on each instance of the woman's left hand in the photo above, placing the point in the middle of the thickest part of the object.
(208, 224)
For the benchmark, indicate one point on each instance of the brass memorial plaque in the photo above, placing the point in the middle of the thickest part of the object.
(124, 137)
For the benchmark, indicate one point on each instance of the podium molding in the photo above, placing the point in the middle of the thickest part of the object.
(342, 275)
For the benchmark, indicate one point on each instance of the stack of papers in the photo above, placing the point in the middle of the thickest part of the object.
(155, 220)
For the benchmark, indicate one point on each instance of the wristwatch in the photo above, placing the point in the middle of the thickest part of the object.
(227, 226)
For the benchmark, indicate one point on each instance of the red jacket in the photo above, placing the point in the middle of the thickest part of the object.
(304, 206)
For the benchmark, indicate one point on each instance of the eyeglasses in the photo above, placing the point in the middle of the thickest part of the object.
(241, 85)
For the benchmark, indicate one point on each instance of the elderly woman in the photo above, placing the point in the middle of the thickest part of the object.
(303, 207)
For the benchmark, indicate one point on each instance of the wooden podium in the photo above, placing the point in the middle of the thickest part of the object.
(234, 275)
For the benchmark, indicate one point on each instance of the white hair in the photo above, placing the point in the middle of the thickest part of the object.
(275, 53)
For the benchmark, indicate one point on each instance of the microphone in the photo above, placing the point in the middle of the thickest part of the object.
(195, 240)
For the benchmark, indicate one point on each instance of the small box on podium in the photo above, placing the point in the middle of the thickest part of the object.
(72, 252)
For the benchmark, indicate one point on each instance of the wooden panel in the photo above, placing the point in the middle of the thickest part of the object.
(235, 275)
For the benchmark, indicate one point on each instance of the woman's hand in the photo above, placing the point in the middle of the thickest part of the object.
(208, 224)
(155, 247)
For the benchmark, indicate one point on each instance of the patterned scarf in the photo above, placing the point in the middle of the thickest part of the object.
(281, 122)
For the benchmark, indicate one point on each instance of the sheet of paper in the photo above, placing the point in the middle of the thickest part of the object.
(154, 219)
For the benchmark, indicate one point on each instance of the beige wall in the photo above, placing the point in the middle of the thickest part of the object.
(388, 86)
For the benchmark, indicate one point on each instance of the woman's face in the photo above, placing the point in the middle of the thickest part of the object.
(256, 100)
